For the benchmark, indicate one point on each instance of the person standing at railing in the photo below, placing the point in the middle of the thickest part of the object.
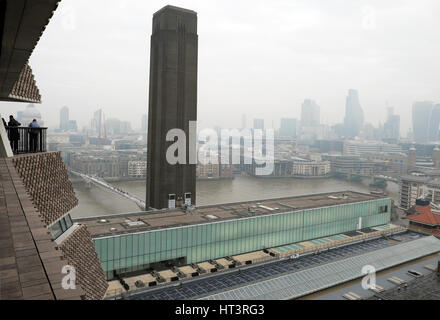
(33, 133)
(14, 135)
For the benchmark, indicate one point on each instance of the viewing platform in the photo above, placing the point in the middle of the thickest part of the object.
(31, 140)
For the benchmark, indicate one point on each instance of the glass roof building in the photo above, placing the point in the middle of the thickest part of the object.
(187, 238)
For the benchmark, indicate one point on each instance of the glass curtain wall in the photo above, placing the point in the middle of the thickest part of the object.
(132, 252)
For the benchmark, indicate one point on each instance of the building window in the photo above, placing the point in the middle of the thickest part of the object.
(61, 226)
(56, 230)
(383, 209)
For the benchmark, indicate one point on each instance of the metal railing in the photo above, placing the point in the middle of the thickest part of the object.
(27, 140)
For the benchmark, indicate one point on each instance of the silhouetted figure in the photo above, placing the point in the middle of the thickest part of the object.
(33, 134)
(14, 135)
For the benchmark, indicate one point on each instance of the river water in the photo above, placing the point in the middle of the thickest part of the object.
(96, 201)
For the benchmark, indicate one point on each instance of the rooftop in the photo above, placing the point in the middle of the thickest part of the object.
(431, 181)
(174, 8)
(426, 287)
(426, 216)
(265, 275)
(101, 226)
(310, 280)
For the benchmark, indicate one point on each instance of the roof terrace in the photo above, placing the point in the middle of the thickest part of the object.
(109, 225)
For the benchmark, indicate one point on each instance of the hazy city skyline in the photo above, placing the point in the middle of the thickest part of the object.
(328, 197)
(91, 58)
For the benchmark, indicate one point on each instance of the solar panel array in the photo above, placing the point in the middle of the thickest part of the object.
(194, 289)
(310, 280)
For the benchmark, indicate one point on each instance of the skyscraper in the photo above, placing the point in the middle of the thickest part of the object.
(392, 126)
(288, 128)
(354, 115)
(144, 124)
(96, 123)
(172, 105)
(421, 116)
(310, 114)
(259, 124)
(64, 118)
(72, 125)
(434, 123)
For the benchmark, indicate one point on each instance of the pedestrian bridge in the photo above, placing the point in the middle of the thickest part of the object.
(104, 184)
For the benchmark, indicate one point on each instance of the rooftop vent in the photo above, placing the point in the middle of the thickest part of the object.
(134, 223)
(212, 217)
(113, 229)
(267, 208)
(103, 221)
(189, 209)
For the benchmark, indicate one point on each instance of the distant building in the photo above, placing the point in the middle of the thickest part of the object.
(354, 115)
(208, 171)
(350, 165)
(310, 114)
(426, 220)
(101, 166)
(394, 163)
(115, 126)
(353, 147)
(144, 125)
(259, 124)
(29, 114)
(310, 134)
(125, 127)
(330, 146)
(64, 119)
(72, 126)
(421, 116)
(137, 169)
(434, 124)
(392, 127)
(96, 123)
(311, 169)
(411, 188)
(288, 128)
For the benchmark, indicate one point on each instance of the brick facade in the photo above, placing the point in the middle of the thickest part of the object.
(47, 182)
(25, 89)
(79, 248)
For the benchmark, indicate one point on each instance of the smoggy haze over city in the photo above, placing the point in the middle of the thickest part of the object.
(259, 58)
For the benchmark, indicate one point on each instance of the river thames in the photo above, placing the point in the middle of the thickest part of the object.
(95, 201)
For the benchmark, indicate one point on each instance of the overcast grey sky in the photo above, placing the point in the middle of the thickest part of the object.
(257, 57)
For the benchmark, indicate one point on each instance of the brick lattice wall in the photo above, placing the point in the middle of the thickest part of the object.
(47, 182)
(79, 249)
(47, 185)
(25, 88)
